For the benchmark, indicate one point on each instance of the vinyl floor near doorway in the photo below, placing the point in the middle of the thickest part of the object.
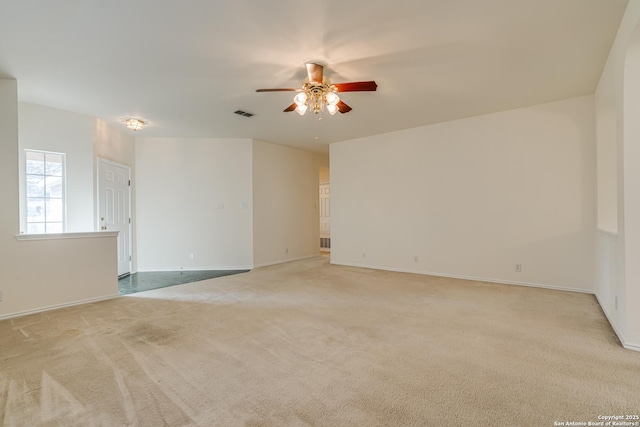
(148, 280)
(309, 343)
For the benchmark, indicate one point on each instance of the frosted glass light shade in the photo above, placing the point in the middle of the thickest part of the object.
(300, 98)
(332, 109)
(301, 109)
(332, 98)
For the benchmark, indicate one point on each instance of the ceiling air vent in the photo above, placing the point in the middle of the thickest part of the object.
(243, 113)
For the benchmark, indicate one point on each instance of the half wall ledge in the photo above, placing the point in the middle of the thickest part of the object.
(61, 236)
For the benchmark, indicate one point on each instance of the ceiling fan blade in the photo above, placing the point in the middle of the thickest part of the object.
(343, 108)
(369, 86)
(282, 89)
(315, 72)
(291, 107)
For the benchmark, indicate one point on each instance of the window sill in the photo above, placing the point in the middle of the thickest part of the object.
(60, 236)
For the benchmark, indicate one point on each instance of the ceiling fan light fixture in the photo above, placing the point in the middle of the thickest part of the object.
(301, 109)
(332, 98)
(318, 93)
(332, 108)
(134, 124)
(300, 99)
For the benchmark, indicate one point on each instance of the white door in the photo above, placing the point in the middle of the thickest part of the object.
(325, 217)
(114, 183)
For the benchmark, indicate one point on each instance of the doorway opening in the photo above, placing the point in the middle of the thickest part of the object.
(324, 204)
(325, 217)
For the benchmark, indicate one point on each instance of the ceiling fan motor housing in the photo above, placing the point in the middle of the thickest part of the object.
(317, 92)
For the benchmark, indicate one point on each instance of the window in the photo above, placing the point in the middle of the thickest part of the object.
(45, 192)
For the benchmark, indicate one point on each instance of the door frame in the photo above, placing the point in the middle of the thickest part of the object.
(101, 161)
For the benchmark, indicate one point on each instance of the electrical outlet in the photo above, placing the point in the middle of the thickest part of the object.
(415, 258)
(286, 250)
(518, 268)
(364, 254)
(191, 257)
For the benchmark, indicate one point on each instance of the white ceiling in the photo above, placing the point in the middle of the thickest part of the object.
(186, 66)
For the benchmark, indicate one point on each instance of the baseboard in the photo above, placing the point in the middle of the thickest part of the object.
(474, 278)
(634, 347)
(203, 268)
(283, 261)
(610, 319)
(616, 330)
(55, 307)
(233, 267)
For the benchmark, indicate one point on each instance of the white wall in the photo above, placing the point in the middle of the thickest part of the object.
(113, 144)
(194, 196)
(60, 272)
(617, 111)
(325, 175)
(609, 282)
(631, 168)
(8, 173)
(473, 197)
(607, 157)
(36, 275)
(49, 129)
(285, 203)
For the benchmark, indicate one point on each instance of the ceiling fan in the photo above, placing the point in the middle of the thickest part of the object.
(317, 91)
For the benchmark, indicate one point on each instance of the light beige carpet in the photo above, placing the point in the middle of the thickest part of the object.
(308, 343)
